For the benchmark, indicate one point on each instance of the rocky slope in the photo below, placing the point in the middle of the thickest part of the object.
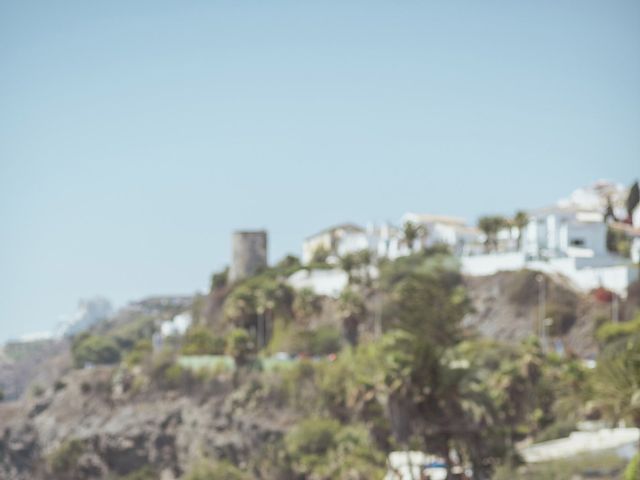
(112, 425)
(120, 432)
(505, 307)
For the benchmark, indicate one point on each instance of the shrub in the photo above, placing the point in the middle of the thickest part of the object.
(326, 339)
(166, 373)
(59, 385)
(306, 303)
(94, 349)
(610, 332)
(65, 458)
(144, 473)
(199, 340)
(560, 429)
(563, 316)
(37, 390)
(632, 472)
(239, 345)
(127, 335)
(220, 279)
(288, 337)
(221, 470)
(139, 352)
(321, 448)
(314, 436)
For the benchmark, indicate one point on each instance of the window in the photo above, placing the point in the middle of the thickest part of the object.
(577, 242)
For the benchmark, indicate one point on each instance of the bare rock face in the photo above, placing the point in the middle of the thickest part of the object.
(505, 307)
(19, 451)
(115, 436)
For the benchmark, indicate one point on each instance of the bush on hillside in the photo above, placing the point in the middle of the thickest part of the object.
(632, 472)
(65, 458)
(563, 316)
(141, 350)
(239, 346)
(221, 470)
(611, 332)
(322, 448)
(199, 340)
(94, 349)
(325, 340)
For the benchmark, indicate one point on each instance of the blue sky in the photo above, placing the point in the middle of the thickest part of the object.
(135, 136)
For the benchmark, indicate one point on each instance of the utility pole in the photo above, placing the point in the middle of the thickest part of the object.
(615, 309)
(542, 300)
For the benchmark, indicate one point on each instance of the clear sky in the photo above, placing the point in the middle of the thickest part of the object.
(135, 136)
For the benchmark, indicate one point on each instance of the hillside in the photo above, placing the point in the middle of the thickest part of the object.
(144, 415)
(505, 308)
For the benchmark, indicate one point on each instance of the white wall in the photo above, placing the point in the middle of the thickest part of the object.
(480, 265)
(321, 282)
(612, 273)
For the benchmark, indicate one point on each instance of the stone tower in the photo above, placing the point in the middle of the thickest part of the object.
(249, 254)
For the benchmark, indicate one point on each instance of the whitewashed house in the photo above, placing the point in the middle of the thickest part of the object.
(451, 231)
(336, 240)
(565, 232)
(569, 238)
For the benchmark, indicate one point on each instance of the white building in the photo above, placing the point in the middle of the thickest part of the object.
(565, 232)
(334, 240)
(570, 238)
(451, 231)
(176, 326)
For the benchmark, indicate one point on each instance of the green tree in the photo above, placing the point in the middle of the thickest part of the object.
(220, 279)
(240, 346)
(612, 332)
(490, 226)
(352, 311)
(94, 349)
(617, 380)
(633, 199)
(200, 340)
(321, 448)
(520, 220)
(412, 232)
(320, 255)
(306, 304)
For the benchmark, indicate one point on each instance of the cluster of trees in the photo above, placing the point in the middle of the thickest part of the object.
(110, 348)
(492, 224)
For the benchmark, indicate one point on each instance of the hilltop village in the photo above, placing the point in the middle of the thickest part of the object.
(426, 347)
(592, 238)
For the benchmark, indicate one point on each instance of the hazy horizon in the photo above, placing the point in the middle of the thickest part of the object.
(135, 138)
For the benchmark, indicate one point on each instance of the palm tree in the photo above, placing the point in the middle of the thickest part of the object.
(412, 232)
(306, 304)
(617, 380)
(491, 225)
(632, 200)
(352, 310)
(520, 221)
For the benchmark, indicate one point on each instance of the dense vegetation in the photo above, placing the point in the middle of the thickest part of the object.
(389, 367)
